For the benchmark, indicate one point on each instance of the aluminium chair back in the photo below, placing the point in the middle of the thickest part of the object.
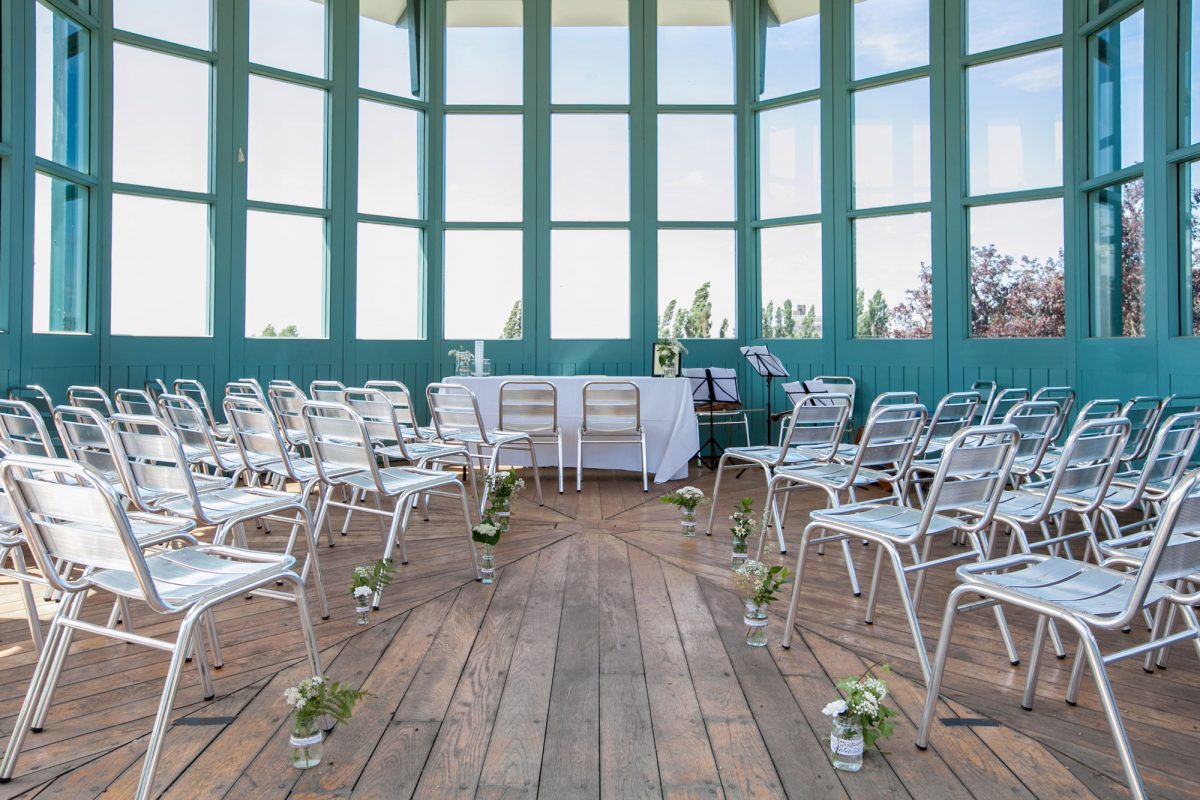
(378, 416)
(288, 404)
(326, 391)
(1002, 402)
(154, 462)
(401, 399)
(889, 441)
(971, 474)
(1166, 463)
(135, 401)
(91, 397)
(195, 390)
(284, 383)
(1143, 414)
(1089, 459)
(455, 411)
(245, 388)
(87, 438)
(611, 408)
(1035, 420)
(529, 407)
(953, 413)
(22, 430)
(1064, 396)
(987, 393)
(901, 398)
(190, 425)
(339, 441)
(155, 387)
(817, 423)
(257, 434)
(40, 399)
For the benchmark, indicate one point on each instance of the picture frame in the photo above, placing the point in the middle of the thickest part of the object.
(665, 360)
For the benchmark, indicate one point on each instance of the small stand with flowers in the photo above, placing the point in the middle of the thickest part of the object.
(687, 499)
(758, 583)
(365, 584)
(859, 721)
(311, 700)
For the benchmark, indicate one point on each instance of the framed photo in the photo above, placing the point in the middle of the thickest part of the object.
(667, 360)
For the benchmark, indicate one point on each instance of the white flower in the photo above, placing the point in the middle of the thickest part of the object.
(485, 529)
(292, 697)
(362, 592)
(690, 491)
(834, 709)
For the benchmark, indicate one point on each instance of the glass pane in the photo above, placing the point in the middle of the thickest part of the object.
(62, 91)
(484, 51)
(1190, 62)
(286, 281)
(1191, 244)
(890, 35)
(160, 119)
(389, 151)
(390, 286)
(288, 34)
(589, 51)
(697, 277)
(589, 284)
(142, 303)
(60, 256)
(695, 167)
(482, 285)
(695, 51)
(1017, 270)
(790, 260)
(791, 38)
(999, 23)
(286, 151)
(183, 21)
(1118, 260)
(483, 167)
(1117, 74)
(589, 167)
(1016, 123)
(789, 152)
(893, 259)
(385, 47)
(891, 144)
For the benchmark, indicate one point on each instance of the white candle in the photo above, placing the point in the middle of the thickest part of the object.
(479, 356)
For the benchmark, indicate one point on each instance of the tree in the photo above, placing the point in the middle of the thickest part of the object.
(289, 331)
(873, 318)
(808, 325)
(664, 322)
(788, 329)
(679, 324)
(1016, 298)
(269, 330)
(859, 328)
(1133, 258)
(513, 325)
(768, 320)
(724, 328)
(913, 318)
(699, 320)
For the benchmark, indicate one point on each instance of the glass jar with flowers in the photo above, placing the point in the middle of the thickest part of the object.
(486, 533)
(311, 701)
(859, 720)
(365, 582)
(743, 526)
(502, 488)
(758, 583)
(687, 499)
(462, 361)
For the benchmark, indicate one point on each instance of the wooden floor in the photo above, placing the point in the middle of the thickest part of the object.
(607, 660)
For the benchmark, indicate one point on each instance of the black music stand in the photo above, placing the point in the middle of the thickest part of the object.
(770, 367)
(712, 393)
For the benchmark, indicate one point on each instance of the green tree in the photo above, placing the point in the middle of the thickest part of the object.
(859, 328)
(664, 322)
(289, 331)
(699, 321)
(724, 328)
(789, 321)
(679, 324)
(808, 325)
(512, 326)
(269, 330)
(768, 320)
(873, 323)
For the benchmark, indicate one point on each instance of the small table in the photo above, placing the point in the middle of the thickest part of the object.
(672, 437)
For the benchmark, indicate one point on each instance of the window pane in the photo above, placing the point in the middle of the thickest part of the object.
(589, 284)
(160, 119)
(697, 292)
(695, 166)
(789, 152)
(695, 51)
(183, 21)
(62, 91)
(482, 285)
(145, 231)
(390, 286)
(891, 144)
(385, 52)
(1118, 260)
(890, 35)
(1191, 252)
(1191, 73)
(286, 150)
(1016, 123)
(999, 23)
(484, 51)
(60, 256)
(389, 148)
(589, 167)
(1117, 73)
(1017, 269)
(288, 34)
(483, 167)
(589, 51)
(790, 259)
(893, 271)
(791, 39)
(286, 281)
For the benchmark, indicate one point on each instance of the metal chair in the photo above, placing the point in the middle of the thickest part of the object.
(1143, 414)
(155, 387)
(326, 391)
(245, 388)
(402, 401)
(41, 401)
(531, 407)
(288, 404)
(69, 513)
(973, 470)
(457, 420)
(202, 450)
(344, 456)
(612, 414)
(1145, 489)
(1064, 396)
(91, 397)
(195, 391)
(1087, 598)
(987, 393)
(135, 401)
(995, 410)
(1035, 421)
(22, 430)
(954, 412)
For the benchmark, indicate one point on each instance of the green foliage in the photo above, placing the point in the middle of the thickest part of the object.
(513, 326)
(768, 320)
(699, 318)
(316, 697)
(374, 578)
(688, 497)
(287, 331)
(743, 520)
(864, 699)
(664, 321)
(724, 333)
(808, 325)
(872, 320)
(269, 331)
(758, 582)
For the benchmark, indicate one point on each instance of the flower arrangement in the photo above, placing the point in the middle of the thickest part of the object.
(864, 701)
(365, 582)
(686, 498)
(667, 351)
(759, 582)
(486, 532)
(463, 360)
(504, 486)
(312, 699)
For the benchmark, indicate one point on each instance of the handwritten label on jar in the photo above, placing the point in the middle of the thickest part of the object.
(846, 747)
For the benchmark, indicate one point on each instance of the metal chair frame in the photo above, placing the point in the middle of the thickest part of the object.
(91, 397)
(523, 408)
(40, 399)
(189, 423)
(406, 412)
(287, 404)
(195, 390)
(619, 410)
(22, 430)
(326, 391)
(1065, 397)
(1003, 401)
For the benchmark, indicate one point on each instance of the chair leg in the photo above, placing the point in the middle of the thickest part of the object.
(31, 609)
(873, 594)
(790, 628)
(1108, 701)
(645, 481)
(1035, 662)
(166, 702)
(312, 558)
(324, 496)
(390, 546)
(560, 464)
(933, 682)
(462, 493)
(854, 587)
(712, 510)
(579, 463)
(910, 610)
(537, 475)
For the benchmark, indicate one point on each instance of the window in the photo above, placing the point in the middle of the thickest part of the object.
(589, 51)
(1016, 268)
(791, 49)
(484, 51)
(286, 282)
(1118, 219)
(889, 36)
(286, 146)
(695, 167)
(789, 152)
(697, 293)
(62, 91)
(1191, 242)
(289, 35)
(387, 52)
(483, 168)
(1190, 77)
(893, 296)
(589, 269)
(482, 284)
(187, 22)
(891, 144)
(992, 24)
(390, 285)
(152, 238)
(790, 262)
(1117, 76)
(695, 51)
(389, 147)
(589, 167)
(60, 256)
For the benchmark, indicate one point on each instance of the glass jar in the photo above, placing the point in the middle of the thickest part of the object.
(689, 521)
(362, 614)
(846, 743)
(487, 565)
(307, 743)
(756, 624)
(740, 549)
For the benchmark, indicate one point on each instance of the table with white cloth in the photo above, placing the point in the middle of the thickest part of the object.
(668, 416)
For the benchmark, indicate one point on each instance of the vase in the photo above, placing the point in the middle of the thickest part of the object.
(689, 521)
(502, 515)
(739, 552)
(464, 368)
(363, 614)
(846, 743)
(670, 370)
(307, 743)
(756, 624)
(487, 565)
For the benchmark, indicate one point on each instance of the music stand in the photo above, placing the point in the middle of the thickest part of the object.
(768, 366)
(713, 389)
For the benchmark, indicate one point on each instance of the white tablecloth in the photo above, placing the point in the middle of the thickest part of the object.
(668, 416)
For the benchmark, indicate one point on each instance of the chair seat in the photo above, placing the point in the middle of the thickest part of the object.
(224, 504)
(418, 434)
(893, 522)
(495, 438)
(769, 454)
(1022, 506)
(1073, 585)
(398, 480)
(186, 575)
(831, 474)
(422, 451)
(227, 459)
